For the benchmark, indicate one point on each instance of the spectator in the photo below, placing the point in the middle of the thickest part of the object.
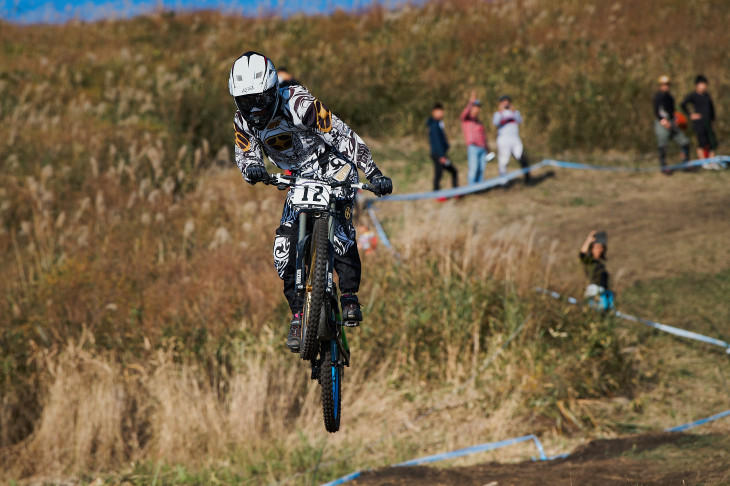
(509, 143)
(593, 256)
(702, 116)
(476, 139)
(285, 78)
(439, 147)
(665, 126)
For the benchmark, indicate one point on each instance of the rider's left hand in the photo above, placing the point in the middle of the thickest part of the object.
(382, 185)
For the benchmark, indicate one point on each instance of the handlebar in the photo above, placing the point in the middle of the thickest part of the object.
(283, 182)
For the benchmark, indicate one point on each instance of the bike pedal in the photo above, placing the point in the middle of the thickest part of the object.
(351, 323)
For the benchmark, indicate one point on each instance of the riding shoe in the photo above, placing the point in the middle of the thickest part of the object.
(350, 308)
(294, 339)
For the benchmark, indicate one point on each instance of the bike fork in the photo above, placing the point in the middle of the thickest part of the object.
(301, 245)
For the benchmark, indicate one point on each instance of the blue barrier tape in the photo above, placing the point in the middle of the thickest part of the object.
(473, 450)
(500, 180)
(461, 190)
(656, 325)
(676, 331)
(723, 160)
(602, 168)
(344, 479)
(681, 428)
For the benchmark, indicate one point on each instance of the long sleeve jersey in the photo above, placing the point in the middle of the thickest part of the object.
(437, 137)
(473, 128)
(701, 103)
(507, 123)
(664, 106)
(300, 133)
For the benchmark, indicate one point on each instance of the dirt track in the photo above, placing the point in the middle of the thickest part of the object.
(660, 459)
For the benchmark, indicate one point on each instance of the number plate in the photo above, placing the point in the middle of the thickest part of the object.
(311, 194)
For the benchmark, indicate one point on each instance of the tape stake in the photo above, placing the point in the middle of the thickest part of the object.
(381, 232)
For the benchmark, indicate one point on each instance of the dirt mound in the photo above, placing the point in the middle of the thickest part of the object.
(661, 458)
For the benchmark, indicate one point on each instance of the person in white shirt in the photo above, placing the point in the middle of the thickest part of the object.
(509, 144)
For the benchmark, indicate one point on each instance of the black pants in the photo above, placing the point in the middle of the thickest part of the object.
(705, 135)
(438, 170)
(347, 264)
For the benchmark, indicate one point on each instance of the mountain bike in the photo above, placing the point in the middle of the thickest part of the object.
(323, 340)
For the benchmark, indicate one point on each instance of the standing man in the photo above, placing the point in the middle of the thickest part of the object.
(509, 143)
(665, 127)
(702, 116)
(439, 147)
(476, 139)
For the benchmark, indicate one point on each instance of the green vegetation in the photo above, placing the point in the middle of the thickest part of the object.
(142, 321)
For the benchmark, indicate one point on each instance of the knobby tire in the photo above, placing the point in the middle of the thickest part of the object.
(314, 299)
(331, 381)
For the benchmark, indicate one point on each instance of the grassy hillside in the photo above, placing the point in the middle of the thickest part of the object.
(142, 321)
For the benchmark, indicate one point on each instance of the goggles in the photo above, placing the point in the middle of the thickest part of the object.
(261, 101)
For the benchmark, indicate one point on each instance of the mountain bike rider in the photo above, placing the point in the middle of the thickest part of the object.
(298, 133)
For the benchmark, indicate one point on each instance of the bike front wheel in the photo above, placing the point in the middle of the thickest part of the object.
(331, 381)
(314, 294)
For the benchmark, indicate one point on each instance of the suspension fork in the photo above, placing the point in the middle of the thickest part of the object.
(332, 214)
(301, 245)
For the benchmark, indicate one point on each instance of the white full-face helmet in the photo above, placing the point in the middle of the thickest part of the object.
(253, 83)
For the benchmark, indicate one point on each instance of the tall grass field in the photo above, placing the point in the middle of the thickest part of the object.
(142, 323)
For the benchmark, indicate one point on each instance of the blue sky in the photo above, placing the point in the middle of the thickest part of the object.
(37, 11)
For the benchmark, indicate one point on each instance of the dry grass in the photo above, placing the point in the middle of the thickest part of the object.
(142, 318)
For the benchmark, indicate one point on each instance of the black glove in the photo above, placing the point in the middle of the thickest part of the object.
(256, 173)
(381, 185)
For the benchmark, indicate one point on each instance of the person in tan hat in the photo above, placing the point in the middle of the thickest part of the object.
(665, 126)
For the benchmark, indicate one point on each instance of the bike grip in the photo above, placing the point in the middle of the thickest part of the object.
(368, 187)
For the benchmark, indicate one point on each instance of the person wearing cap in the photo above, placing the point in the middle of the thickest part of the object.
(439, 147)
(702, 116)
(593, 257)
(665, 125)
(475, 137)
(509, 144)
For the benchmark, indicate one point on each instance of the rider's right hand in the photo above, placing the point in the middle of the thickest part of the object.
(256, 173)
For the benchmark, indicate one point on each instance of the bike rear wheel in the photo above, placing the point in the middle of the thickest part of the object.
(314, 293)
(331, 381)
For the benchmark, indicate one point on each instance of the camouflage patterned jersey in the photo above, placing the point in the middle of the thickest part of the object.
(305, 138)
(302, 131)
